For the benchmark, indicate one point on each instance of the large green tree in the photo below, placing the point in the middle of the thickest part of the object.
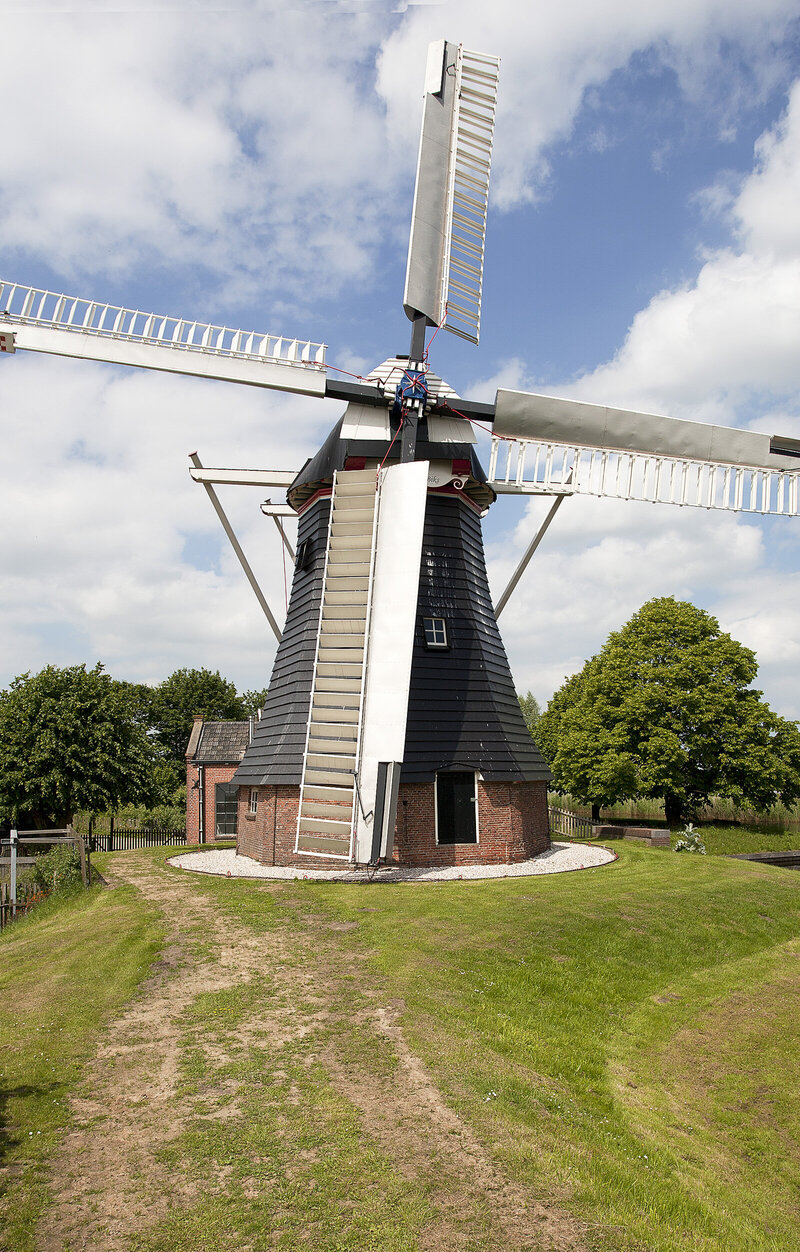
(70, 740)
(666, 710)
(175, 702)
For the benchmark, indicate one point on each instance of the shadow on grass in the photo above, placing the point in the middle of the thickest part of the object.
(9, 1137)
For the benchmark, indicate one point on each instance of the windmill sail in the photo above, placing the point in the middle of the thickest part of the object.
(547, 444)
(444, 274)
(44, 321)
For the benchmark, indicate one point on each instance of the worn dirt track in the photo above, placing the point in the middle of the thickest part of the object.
(108, 1184)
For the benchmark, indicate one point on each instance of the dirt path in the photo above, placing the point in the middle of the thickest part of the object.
(108, 1183)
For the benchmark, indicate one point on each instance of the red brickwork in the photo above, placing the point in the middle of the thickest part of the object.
(211, 775)
(269, 834)
(512, 826)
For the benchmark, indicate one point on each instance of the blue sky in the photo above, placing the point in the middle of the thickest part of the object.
(255, 166)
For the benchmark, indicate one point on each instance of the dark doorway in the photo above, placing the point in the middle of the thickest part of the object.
(225, 797)
(456, 807)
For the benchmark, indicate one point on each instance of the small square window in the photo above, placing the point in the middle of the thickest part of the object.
(435, 632)
(253, 800)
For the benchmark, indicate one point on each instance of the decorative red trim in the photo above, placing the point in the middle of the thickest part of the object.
(318, 494)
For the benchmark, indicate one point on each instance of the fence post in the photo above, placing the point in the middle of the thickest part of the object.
(13, 891)
(111, 833)
(81, 846)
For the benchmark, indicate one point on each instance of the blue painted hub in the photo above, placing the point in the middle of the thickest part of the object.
(413, 387)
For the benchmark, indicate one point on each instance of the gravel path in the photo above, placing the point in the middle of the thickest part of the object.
(560, 857)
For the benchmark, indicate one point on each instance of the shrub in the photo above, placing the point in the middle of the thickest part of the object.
(59, 870)
(690, 841)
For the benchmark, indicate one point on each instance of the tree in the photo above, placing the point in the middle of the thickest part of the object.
(530, 711)
(178, 699)
(666, 711)
(253, 701)
(69, 740)
(548, 737)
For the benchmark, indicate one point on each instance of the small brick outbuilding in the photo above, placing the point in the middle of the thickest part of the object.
(213, 755)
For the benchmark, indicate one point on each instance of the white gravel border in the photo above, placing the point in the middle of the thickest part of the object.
(560, 858)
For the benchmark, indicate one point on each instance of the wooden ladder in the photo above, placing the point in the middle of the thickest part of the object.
(328, 793)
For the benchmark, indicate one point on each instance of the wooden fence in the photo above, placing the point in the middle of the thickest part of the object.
(570, 825)
(121, 840)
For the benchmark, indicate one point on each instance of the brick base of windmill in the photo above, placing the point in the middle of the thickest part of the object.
(512, 827)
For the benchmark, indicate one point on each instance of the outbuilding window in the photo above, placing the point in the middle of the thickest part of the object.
(435, 632)
(225, 797)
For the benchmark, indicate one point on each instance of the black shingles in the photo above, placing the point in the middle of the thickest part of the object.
(463, 709)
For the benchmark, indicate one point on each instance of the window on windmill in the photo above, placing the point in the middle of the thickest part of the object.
(435, 632)
(302, 559)
(253, 800)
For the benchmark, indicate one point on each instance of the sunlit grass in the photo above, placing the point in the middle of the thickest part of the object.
(65, 969)
(622, 1041)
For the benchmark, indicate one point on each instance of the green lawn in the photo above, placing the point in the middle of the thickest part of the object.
(622, 1040)
(625, 1036)
(65, 969)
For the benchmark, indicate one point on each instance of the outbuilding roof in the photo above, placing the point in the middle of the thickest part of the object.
(222, 742)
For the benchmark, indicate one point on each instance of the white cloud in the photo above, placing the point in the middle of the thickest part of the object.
(98, 503)
(252, 145)
(274, 155)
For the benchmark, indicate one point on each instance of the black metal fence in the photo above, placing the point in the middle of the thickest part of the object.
(121, 840)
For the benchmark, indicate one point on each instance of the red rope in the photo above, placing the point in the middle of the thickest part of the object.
(391, 445)
(435, 333)
(474, 422)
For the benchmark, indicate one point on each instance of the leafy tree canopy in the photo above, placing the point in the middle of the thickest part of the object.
(175, 702)
(666, 711)
(530, 711)
(254, 700)
(69, 740)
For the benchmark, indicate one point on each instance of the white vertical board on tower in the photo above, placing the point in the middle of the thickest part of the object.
(395, 588)
(444, 274)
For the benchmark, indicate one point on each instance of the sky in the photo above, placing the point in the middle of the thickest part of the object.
(252, 164)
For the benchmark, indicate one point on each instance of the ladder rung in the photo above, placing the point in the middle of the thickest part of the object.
(348, 513)
(352, 644)
(335, 700)
(356, 564)
(346, 478)
(319, 713)
(344, 625)
(336, 684)
(322, 808)
(329, 845)
(331, 671)
(350, 543)
(330, 792)
(329, 655)
(326, 826)
(317, 777)
(345, 598)
(347, 527)
(322, 745)
(331, 761)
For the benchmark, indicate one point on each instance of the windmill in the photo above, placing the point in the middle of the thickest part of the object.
(392, 727)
